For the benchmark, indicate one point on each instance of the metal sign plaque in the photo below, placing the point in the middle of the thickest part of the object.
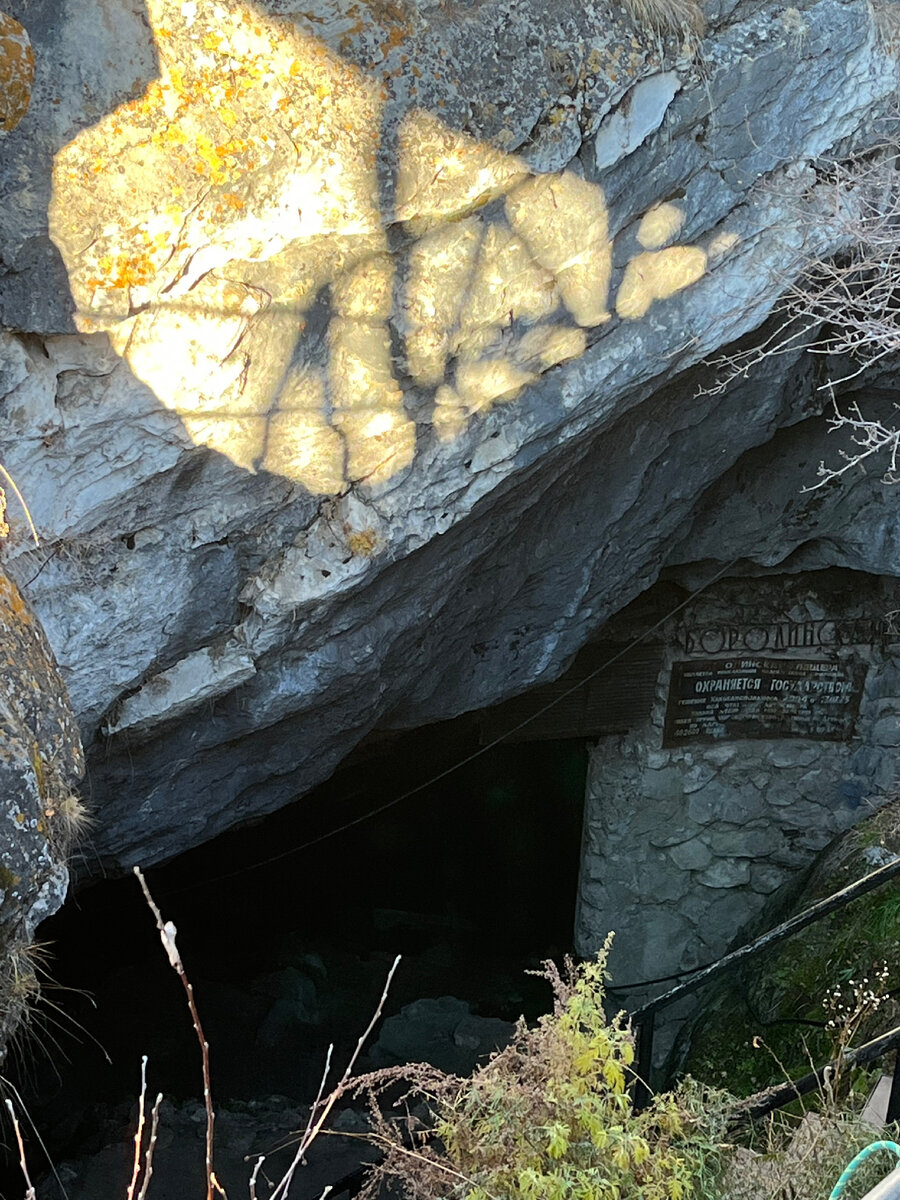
(727, 699)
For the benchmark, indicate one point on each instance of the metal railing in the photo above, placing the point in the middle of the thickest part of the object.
(643, 1018)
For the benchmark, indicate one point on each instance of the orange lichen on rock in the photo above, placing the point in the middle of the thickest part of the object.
(16, 73)
(11, 600)
(32, 693)
(233, 99)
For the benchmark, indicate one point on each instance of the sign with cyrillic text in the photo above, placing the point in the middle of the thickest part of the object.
(749, 697)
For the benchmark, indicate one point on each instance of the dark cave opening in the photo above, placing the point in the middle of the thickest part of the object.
(472, 880)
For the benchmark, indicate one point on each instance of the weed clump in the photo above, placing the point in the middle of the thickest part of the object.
(667, 16)
(550, 1117)
(19, 983)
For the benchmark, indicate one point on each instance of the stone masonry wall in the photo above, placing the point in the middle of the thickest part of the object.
(688, 848)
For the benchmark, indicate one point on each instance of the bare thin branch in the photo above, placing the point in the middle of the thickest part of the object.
(139, 1132)
(168, 933)
(151, 1146)
(318, 1100)
(12, 483)
(318, 1119)
(256, 1169)
(872, 438)
(29, 1187)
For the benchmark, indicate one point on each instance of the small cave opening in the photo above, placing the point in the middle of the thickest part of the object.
(472, 880)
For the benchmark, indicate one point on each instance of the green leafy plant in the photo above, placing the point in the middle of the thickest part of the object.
(550, 1117)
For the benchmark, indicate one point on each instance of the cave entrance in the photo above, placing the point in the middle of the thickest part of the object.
(473, 880)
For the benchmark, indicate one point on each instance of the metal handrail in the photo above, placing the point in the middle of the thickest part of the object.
(822, 908)
(643, 1017)
(769, 1099)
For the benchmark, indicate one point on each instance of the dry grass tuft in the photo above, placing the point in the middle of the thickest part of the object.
(887, 25)
(19, 983)
(805, 1161)
(66, 819)
(27, 1016)
(667, 16)
(69, 821)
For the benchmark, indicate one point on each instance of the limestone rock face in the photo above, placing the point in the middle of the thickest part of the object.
(40, 763)
(348, 353)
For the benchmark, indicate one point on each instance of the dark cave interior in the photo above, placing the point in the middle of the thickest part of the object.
(472, 880)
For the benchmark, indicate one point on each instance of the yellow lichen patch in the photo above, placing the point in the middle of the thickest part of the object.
(361, 542)
(16, 73)
(37, 764)
(656, 275)
(563, 220)
(660, 225)
(11, 600)
(234, 98)
(148, 247)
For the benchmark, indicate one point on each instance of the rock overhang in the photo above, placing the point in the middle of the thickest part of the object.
(322, 451)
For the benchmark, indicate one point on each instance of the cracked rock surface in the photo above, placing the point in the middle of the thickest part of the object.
(40, 763)
(349, 356)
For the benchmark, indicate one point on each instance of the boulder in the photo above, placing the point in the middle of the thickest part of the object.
(443, 1032)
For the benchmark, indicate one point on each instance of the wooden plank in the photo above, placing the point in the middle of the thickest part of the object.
(605, 700)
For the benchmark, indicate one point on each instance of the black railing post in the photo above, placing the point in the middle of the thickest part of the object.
(893, 1106)
(644, 1065)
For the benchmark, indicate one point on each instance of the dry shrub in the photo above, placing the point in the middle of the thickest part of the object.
(847, 306)
(887, 24)
(667, 16)
(805, 1160)
(550, 1117)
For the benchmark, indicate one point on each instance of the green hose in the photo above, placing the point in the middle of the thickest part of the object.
(857, 1162)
